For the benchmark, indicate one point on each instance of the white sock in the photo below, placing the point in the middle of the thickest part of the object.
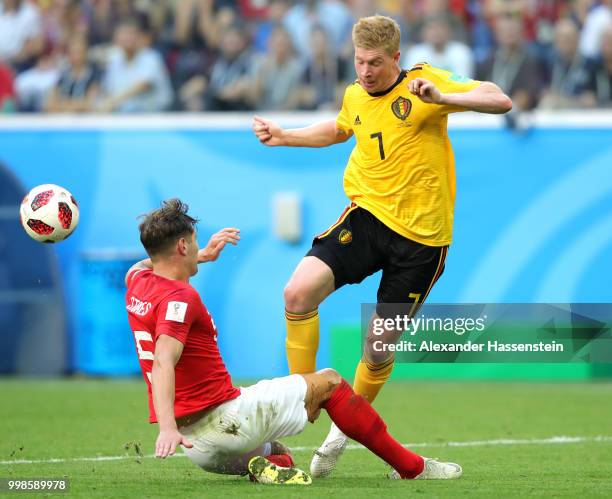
(334, 433)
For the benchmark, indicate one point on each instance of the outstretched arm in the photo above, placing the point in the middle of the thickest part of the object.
(320, 134)
(216, 244)
(486, 98)
(168, 351)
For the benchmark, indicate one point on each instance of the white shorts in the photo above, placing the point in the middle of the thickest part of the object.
(264, 412)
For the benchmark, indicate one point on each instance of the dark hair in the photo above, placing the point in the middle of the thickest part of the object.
(130, 22)
(161, 228)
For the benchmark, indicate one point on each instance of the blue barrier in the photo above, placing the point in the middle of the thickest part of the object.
(103, 345)
(533, 220)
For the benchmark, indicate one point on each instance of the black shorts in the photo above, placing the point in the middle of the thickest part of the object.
(359, 244)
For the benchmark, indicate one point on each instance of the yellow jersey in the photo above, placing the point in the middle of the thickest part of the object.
(402, 167)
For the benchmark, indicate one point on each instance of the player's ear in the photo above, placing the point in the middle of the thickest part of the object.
(396, 57)
(181, 246)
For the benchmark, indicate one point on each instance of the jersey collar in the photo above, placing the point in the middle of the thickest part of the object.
(400, 77)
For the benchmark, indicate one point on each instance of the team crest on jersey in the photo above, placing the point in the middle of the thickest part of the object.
(401, 107)
(345, 236)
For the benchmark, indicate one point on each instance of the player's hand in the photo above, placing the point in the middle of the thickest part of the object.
(168, 441)
(425, 90)
(268, 132)
(216, 244)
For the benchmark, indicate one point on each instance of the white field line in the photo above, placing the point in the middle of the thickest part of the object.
(470, 443)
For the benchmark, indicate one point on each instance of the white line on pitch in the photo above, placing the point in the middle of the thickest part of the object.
(469, 443)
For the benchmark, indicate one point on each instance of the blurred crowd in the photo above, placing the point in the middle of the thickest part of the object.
(130, 56)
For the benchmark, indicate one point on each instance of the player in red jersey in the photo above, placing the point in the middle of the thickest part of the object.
(222, 428)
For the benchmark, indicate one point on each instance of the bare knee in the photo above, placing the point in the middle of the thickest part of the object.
(298, 299)
(309, 285)
(321, 386)
(322, 381)
(330, 377)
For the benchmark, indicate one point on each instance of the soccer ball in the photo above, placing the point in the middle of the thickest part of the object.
(49, 213)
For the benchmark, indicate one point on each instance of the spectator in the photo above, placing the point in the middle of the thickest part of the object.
(78, 86)
(391, 8)
(577, 12)
(506, 8)
(439, 50)
(597, 20)
(538, 18)
(481, 34)
(104, 15)
(277, 75)
(601, 76)
(364, 8)
(276, 12)
(230, 76)
(62, 20)
(21, 38)
(333, 15)
(198, 28)
(7, 89)
(194, 24)
(161, 23)
(511, 66)
(197, 41)
(33, 85)
(438, 8)
(136, 79)
(542, 18)
(567, 76)
(251, 10)
(229, 82)
(320, 89)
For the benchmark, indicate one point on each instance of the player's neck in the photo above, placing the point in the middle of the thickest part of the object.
(393, 80)
(168, 270)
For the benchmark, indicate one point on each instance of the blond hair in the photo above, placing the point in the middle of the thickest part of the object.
(377, 32)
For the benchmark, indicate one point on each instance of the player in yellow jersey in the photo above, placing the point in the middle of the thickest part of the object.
(400, 179)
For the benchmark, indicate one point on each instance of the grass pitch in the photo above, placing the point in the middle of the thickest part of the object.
(502, 433)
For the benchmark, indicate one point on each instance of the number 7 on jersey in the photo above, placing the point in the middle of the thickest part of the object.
(381, 149)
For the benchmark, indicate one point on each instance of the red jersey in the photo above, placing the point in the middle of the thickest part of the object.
(7, 86)
(157, 305)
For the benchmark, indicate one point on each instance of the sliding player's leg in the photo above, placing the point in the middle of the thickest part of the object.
(311, 282)
(359, 421)
(264, 464)
(231, 438)
(296, 399)
(274, 452)
(372, 373)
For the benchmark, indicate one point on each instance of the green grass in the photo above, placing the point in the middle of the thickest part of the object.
(85, 418)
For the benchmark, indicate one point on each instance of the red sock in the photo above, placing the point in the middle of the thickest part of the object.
(359, 421)
(283, 460)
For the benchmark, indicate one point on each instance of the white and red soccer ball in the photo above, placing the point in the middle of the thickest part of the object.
(49, 213)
